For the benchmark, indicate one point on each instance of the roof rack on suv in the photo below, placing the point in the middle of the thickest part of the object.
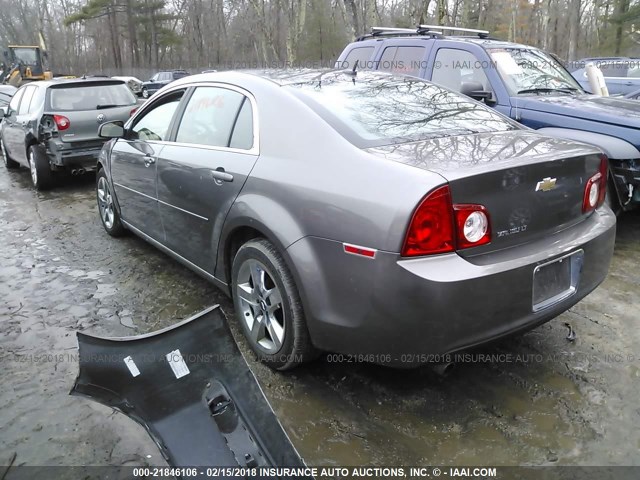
(430, 28)
(397, 32)
(422, 30)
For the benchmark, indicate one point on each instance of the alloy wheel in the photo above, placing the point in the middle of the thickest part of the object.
(105, 203)
(261, 306)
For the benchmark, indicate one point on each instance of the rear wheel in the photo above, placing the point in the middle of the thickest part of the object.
(268, 306)
(8, 162)
(41, 174)
(108, 213)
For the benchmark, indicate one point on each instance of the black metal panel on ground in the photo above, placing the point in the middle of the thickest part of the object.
(190, 387)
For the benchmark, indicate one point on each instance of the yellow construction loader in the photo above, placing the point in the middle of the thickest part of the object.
(25, 63)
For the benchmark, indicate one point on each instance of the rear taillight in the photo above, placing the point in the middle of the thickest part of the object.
(431, 227)
(438, 226)
(595, 189)
(62, 122)
(473, 227)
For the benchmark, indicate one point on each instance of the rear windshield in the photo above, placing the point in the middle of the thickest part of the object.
(371, 110)
(89, 97)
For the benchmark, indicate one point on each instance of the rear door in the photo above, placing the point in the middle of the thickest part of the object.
(87, 105)
(203, 171)
(133, 165)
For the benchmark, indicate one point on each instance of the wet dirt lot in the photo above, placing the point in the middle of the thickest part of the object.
(538, 399)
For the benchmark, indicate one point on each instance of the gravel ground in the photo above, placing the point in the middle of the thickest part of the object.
(545, 401)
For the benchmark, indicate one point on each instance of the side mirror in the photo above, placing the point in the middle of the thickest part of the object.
(476, 91)
(111, 130)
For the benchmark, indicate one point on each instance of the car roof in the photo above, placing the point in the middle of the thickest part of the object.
(8, 89)
(281, 77)
(57, 82)
(483, 42)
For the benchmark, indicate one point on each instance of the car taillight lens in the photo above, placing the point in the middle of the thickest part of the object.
(438, 226)
(595, 189)
(431, 227)
(473, 225)
(62, 122)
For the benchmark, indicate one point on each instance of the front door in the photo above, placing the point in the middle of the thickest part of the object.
(134, 166)
(203, 171)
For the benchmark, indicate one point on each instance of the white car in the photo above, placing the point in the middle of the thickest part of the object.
(134, 84)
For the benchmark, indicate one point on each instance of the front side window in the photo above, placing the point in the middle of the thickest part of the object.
(454, 68)
(210, 116)
(372, 110)
(81, 97)
(15, 101)
(527, 70)
(154, 124)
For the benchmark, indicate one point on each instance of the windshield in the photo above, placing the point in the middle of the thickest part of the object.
(526, 70)
(26, 56)
(372, 110)
(90, 97)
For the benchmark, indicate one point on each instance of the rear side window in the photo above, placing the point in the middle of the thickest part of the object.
(360, 55)
(81, 97)
(26, 100)
(177, 75)
(403, 60)
(242, 136)
(210, 116)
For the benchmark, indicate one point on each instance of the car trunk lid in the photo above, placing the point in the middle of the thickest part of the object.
(85, 106)
(531, 185)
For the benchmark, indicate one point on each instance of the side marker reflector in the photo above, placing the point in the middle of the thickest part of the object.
(357, 250)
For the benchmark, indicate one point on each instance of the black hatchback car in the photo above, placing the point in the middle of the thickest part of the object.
(161, 79)
(53, 125)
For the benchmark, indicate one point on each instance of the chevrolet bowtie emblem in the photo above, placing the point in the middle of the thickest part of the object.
(546, 184)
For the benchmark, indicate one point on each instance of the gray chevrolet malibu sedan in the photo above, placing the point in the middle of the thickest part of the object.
(368, 214)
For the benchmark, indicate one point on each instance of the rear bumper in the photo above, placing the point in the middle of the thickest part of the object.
(67, 156)
(390, 308)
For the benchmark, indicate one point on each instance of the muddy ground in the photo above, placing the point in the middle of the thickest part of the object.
(551, 401)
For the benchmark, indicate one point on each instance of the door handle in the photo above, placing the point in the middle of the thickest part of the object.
(220, 175)
(148, 161)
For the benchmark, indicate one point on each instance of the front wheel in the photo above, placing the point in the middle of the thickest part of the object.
(108, 213)
(268, 306)
(145, 93)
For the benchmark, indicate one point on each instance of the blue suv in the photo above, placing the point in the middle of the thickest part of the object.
(522, 82)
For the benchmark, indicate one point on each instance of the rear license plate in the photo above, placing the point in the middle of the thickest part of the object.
(556, 280)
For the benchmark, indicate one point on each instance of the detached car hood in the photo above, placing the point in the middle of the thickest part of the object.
(615, 111)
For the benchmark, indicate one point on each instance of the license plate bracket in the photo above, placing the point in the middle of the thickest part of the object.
(556, 280)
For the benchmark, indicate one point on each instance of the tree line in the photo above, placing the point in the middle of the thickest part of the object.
(140, 36)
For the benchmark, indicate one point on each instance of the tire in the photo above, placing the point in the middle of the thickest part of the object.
(145, 93)
(8, 162)
(612, 198)
(276, 331)
(109, 215)
(41, 174)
